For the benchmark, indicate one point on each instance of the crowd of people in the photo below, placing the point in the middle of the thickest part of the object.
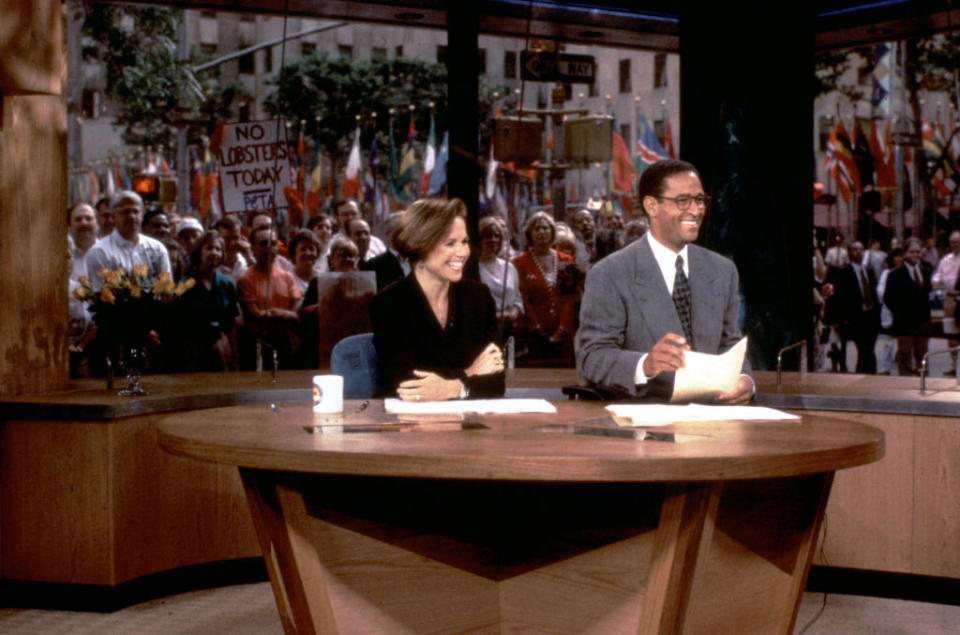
(882, 302)
(253, 288)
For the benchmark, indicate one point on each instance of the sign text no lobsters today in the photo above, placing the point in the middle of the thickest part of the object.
(254, 165)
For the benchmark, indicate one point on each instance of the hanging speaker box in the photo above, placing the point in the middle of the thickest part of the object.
(588, 139)
(516, 139)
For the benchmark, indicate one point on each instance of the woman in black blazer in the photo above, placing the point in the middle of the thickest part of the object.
(433, 330)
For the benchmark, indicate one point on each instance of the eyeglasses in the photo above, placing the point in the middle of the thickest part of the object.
(265, 243)
(683, 201)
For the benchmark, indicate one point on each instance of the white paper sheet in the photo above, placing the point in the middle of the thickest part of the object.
(704, 376)
(650, 415)
(479, 406)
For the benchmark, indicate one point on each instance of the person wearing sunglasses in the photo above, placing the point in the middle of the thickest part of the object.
(644, 305)
(268, 296)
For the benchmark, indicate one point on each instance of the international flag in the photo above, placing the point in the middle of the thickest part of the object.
(407, 160)
(882, 152)
(314, 196)
(490, 183)
(370, 175)
(351, 177)
(668, 140)
(840, 163)
(621, 166)
(429, 158)
(862, 155)
(438, 177)
(649, 149)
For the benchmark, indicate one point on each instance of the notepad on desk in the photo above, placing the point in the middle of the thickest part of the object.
(464, 406)
(649, 415)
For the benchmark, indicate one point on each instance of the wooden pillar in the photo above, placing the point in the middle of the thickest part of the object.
(746, 115)
(33, 247)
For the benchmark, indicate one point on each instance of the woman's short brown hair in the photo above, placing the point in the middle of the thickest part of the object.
(425, 224)
(528, 227)
(300, 236)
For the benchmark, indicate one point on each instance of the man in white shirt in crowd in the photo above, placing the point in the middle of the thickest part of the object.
(235, 248)
(126, 246)
(83, 229)
(945, 277)
(347, 211)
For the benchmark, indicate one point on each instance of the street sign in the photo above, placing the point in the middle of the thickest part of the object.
(540, 66)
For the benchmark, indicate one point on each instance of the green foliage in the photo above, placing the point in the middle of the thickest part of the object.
(828, 69)
(144, 75)
(328, 93)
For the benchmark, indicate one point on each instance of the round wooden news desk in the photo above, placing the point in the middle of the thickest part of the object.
(512, 523)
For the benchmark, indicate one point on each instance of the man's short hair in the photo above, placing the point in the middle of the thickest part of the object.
(228, 223)
(651, 182)
(258, 230)
(125, 195)
(910, 242)
(317, 219)
(149, 215)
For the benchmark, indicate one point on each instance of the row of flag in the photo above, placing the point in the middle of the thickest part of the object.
(403, 187)
(858, 160)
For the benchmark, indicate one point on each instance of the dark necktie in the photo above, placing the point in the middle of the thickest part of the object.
(681, 300)
(865, 290)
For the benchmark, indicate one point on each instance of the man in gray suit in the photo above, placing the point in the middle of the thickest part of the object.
(646, 304)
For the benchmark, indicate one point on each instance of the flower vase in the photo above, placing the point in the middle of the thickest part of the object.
(134, 362)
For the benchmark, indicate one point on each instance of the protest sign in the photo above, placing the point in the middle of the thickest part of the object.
(254, 162)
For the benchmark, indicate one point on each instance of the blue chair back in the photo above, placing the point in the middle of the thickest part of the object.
(355, 358)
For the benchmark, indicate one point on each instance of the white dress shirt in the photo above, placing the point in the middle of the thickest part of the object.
(113, 251)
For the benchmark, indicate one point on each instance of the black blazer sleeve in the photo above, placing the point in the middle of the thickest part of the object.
(408, 337)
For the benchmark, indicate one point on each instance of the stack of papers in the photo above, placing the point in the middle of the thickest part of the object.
(478, 406)
(704, 376)
(647, 415)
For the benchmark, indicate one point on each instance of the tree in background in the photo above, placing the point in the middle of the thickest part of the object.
(144, 76)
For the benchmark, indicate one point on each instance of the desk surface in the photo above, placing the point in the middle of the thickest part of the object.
(515, 447)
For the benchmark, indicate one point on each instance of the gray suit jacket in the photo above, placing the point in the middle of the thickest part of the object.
(626, 309)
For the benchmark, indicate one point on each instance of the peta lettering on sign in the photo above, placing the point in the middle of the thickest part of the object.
(254, 165)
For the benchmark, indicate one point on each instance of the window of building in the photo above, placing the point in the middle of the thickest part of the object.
(625, 76)
(541, 98)
(398, 51)
(268, 59)
(510, 64)
(307, 49)
(378, 53)
(245, 64)
(482, 60)
(660, 70)
(345, 50)
(592, 90)
(243, 112)
(625, 133)
(567, 92)
(90, 103)
(441, 54)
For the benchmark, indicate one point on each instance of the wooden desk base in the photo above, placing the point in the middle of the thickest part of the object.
(354, 554)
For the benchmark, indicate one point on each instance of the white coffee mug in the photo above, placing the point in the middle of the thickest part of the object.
(327, 393)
